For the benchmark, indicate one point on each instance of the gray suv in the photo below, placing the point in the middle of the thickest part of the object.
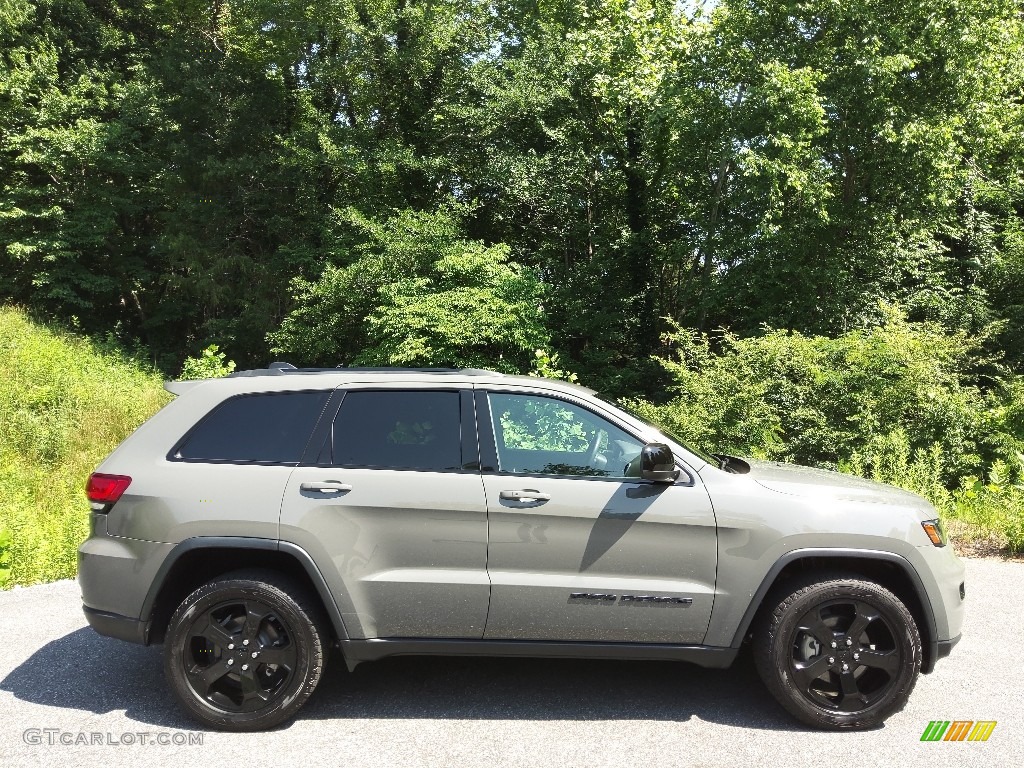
(261, 520)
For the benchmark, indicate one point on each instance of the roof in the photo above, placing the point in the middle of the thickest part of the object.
(278, 371)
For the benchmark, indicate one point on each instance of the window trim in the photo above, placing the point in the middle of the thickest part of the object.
(321, 436)
(488, 442)
(190, 432)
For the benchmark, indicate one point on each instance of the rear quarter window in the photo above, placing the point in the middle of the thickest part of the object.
(271, 427)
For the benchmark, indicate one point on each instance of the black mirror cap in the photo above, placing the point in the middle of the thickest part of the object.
(658, 464)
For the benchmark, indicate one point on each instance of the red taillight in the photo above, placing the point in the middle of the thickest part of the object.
(106, 489)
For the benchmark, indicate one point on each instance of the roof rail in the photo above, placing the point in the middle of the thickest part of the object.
(272, 369)
(280, 368)
(386, 369)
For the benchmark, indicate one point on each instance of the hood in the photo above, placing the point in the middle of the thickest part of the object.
(805, 481)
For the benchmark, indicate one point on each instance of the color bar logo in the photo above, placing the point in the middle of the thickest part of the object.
(958, 730)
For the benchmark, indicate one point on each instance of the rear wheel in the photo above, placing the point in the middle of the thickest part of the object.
(839, 653)
(245, 652)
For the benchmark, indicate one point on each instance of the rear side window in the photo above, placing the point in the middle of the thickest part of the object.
(397, 429)
(272, 427)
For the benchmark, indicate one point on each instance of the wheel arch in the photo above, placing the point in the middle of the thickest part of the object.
(195, 561)
(888, 569)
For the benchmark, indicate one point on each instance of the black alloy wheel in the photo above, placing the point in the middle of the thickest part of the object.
(244, 652)
(841, 653)
(239, 655)
(845, 655)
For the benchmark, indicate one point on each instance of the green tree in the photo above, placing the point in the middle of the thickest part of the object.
(167, 170)
(78, 170)
(419, 294)
(905, 93)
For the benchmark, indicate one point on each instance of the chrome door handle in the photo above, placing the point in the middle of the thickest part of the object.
(527, 495)
(326, 486)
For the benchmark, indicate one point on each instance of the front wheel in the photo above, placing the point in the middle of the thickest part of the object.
(840, 653)
(245, 652)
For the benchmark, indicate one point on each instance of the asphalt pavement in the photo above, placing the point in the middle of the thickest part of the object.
(69, 697)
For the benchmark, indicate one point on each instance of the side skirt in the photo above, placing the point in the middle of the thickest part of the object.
(356, 651)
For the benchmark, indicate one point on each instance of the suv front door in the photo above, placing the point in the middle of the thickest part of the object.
(580, 548)
(395, 511)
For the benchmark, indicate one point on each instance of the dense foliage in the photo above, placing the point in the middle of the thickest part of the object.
(898, 402)
(317, 177)
(817, 400)
(64, 404)
(586, 186)
(418, 294)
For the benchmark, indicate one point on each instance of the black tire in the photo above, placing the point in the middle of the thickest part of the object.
(245, 651)
(838, 652)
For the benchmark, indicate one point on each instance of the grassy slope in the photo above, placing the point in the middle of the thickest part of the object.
(64, 405)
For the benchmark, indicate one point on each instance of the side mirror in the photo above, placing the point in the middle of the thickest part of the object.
(658, 464)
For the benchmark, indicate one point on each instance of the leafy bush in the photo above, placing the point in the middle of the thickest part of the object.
(418, 292)
(989, 510)
(65, 402)
(547, 365)
(815, 400)
(897, 403)
(891, 459)
(209, 365)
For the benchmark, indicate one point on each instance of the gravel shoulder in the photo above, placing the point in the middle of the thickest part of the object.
(60, 682)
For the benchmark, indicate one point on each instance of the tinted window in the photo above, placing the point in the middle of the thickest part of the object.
(272, 427)
(550, 436)
(399, 430)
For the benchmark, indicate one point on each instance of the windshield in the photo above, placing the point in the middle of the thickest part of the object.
(709, 458)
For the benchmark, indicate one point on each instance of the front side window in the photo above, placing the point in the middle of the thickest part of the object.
(395, 429)
(544, 435)
(271, 427)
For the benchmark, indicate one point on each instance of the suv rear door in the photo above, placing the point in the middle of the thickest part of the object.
(394, 512)
(578, 550)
